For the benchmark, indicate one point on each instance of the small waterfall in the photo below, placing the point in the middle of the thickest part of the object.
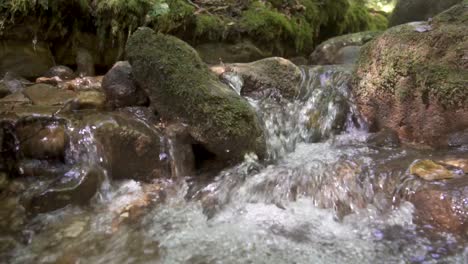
(324, 107)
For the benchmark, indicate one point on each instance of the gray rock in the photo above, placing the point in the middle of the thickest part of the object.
(121, 88)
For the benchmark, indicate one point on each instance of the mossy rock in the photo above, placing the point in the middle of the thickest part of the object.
(242, 51)
(418, 10)
(269, 77)
(327, 52)
(413, 78)
(182, 88)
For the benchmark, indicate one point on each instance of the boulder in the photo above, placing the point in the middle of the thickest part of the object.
(182, 88)
(268, 77)
(413, 79)
(121, 88)
(341, 50)
(244, 51)
(418, 10)
(27, 59)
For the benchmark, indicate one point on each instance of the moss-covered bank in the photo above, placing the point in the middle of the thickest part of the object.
(283, 27)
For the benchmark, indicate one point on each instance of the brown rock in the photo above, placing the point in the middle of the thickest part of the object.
(444, 207)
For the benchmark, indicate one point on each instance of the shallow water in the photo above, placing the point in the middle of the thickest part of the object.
(322, 197)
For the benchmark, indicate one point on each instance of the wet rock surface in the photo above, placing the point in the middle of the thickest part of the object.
(444, 206)
(270, 77)
(245, 51)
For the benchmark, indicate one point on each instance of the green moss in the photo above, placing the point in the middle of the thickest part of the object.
(182, 87)
(267, 24)
(447, 84)
(210, 27)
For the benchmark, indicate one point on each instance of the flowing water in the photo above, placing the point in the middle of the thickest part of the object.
(323, 196)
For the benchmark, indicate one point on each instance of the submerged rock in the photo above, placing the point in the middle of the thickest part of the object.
(271, 77)
(121, 88)
(181, 88)
(430, 171)
(415, 82)
(443, 206)
(76, 187)
(417, 10)
(341, 50)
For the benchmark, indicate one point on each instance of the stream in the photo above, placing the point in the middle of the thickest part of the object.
(323, 195)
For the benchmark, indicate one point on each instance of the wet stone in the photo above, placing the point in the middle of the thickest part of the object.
(44, 94)
(42, 140)
(430, 171)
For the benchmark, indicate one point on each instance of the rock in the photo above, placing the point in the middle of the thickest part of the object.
(90, 100)
(182, 88)
(82, 83)
(84, 63)
(415, 84)
(244, 51)
(76, 187)
(430, 171)
(131, 145)
(418, 10)
(17, 98)
(444, 207)
(121, 88)
(25, 58)
(342, 49)
(268, 77)
(63, 72)
(75, 229)
(14, 83)
(461, 164)
(348, 55)
(299, 60)
(47, 95)
(384, 138)
(4, 91)
(42, 140)
(458, 139)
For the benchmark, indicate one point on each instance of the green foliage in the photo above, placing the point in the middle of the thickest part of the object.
(210, 27)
